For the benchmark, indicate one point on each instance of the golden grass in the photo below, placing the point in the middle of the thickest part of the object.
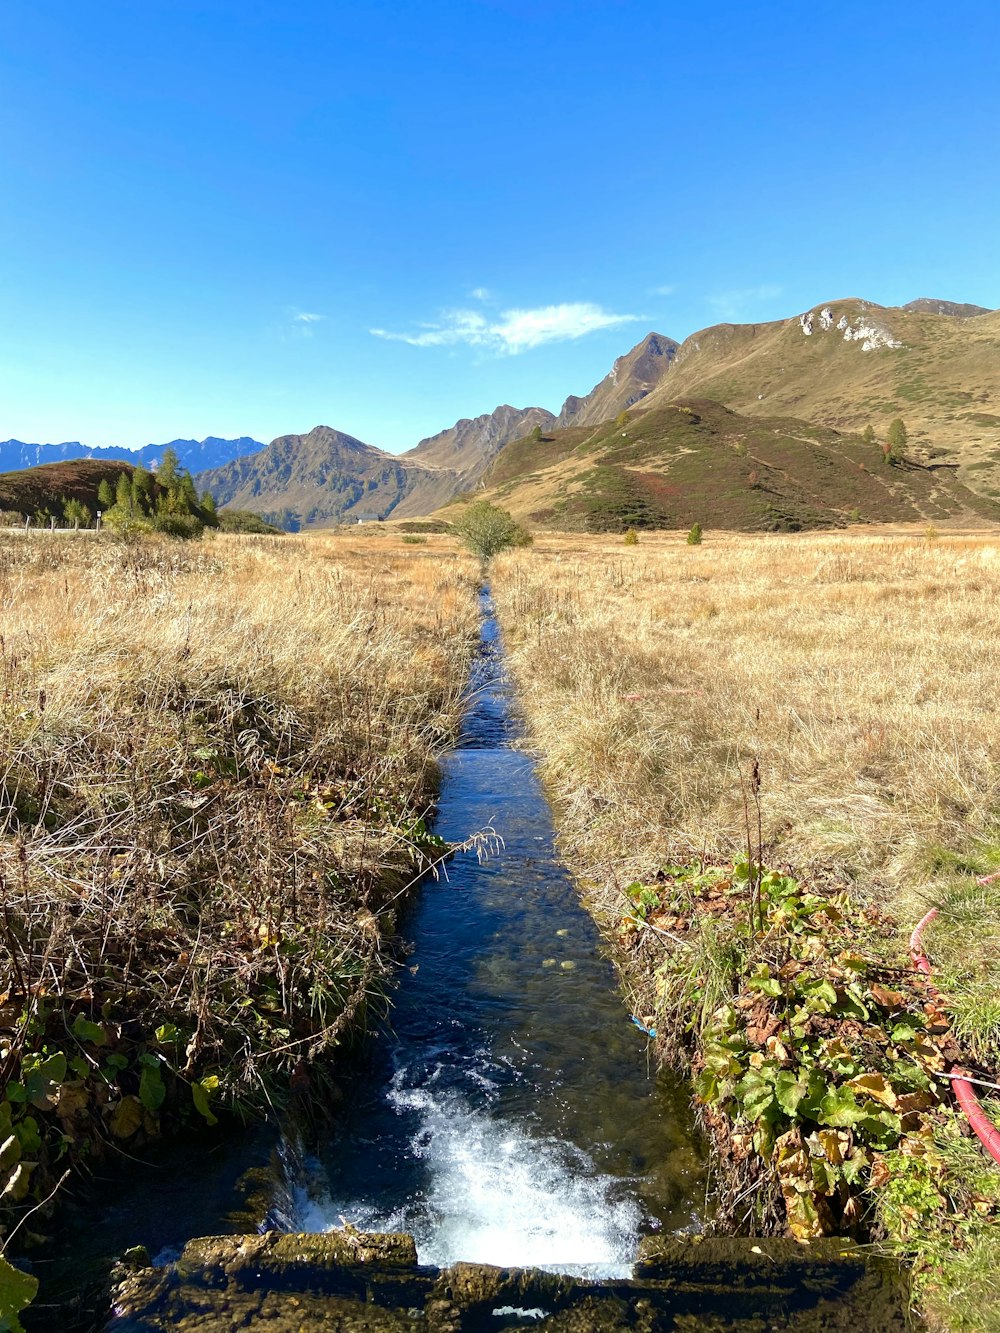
(859, 669)
(214, 762)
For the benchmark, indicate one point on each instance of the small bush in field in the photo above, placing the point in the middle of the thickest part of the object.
(486, 529)
(694, 536)
(631, 537)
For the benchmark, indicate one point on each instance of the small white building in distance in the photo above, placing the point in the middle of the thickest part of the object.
(368, 517)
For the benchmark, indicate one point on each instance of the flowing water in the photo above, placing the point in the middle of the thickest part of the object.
(508, 1110)
(510, 1113)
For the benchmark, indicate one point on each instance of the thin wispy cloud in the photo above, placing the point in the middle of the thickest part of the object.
(481, 294)
(740, 301)
(512, 331)
(298, 324)
(666, 290)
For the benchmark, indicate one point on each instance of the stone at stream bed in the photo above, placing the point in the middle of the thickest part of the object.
(352, 1282)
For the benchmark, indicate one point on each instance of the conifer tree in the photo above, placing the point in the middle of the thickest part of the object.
(123, 493)
(896, 438)
(166, 472)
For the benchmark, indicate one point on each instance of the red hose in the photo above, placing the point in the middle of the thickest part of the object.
(920, 961)
(985, 1130)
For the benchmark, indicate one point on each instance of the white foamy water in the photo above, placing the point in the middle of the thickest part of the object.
(495, 1195)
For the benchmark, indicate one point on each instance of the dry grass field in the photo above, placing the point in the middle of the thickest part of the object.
(858, 672)
(215, 762)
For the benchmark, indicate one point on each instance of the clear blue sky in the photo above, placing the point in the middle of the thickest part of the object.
(250, 218)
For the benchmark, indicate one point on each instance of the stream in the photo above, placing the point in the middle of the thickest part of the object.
(511, 1113)
(507, 1111)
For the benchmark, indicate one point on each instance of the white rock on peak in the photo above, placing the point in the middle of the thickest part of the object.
(869, 335)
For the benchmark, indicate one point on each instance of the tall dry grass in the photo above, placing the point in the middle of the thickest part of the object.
(215, 759)
(860, 670)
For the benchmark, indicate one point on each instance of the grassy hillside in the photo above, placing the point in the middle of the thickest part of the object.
(46, 486)
(698, 462)
(939, 372)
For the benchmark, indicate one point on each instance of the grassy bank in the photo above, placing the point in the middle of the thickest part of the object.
(216, 759)
(824, 705)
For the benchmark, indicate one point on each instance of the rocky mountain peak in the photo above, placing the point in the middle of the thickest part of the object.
(631, 378)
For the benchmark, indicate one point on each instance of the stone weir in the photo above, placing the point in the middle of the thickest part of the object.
(349, 1281)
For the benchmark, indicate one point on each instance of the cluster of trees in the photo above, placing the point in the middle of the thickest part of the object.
(894, 443)
(141, 501)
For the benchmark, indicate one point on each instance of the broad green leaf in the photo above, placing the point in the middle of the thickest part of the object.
(824, 992)
(706, 1087)
(881, 1130)
(854, 1001)
(152, 1090)
(167, 1034)
(200, 1094)
(84, 1030)
(763, 982)
(17, 1291)
(789, 1091)
(28, 1135)
(825, 1175)
(904, 1031)
(840, 1109)
(755, 1096)
(42, 1083)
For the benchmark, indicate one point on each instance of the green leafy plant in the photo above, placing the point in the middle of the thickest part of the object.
(808, 1055)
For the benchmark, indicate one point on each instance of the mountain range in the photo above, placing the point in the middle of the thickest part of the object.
(193, 455)
(840, 366)
(326, 477)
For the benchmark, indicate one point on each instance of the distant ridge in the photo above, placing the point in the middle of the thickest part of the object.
(321, 478)
(193, 455)
(926, 305)
(843, 364)
(471, 444)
